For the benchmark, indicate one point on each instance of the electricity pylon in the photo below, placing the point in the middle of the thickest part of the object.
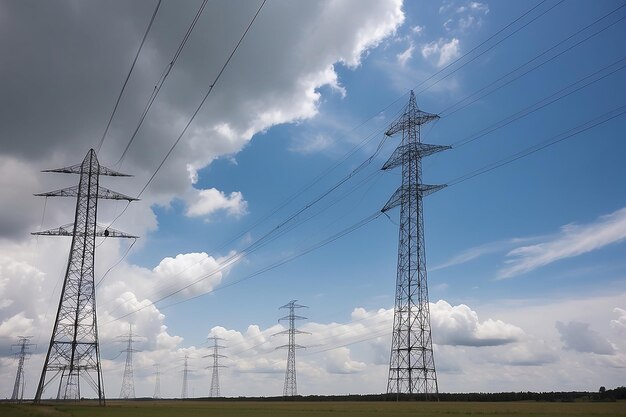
(215, 378)
(412, 364)
(291, 387)
(22, 354)
(128, 381)
(185, 378)
(157, 382)
(74, 350)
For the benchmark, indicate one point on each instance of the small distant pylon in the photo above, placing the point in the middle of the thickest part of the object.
(185, 377)
(22, 355)
(215, 378)
(74, 350)
(157, 382)
(128, 381)
(291, 386)
(411, 363)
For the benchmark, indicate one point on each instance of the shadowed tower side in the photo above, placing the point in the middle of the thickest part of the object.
(411, 364)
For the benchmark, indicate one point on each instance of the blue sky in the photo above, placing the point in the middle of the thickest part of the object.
(530, 254)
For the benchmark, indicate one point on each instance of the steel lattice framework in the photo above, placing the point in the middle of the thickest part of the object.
(291, 386)
(411, 365)
(128, 381)
(22, 354)
(157, 382)
(183, 393)
(215, 377)
(74, 352)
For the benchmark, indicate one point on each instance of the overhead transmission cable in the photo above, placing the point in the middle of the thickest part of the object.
(473, 173)
(606, 117)
(157, 88)
(263, 270)
(161, 81)
(288, 223)
(363, 123)
(588, 125)
(486, 50)
(119, 97)
(444, 112)
(208, 93)
(195, 113)
(153, 95)
(551, 99)
(457, 59)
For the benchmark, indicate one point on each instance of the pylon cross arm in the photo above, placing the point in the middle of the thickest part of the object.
(68, 230)
(75, 169)
(403, 193)
(412, 151)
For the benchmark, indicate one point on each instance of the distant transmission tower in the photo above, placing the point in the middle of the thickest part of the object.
(74, 350)
(185, 378)
(412, 365)
(215, 378)
(22, 354)
(291, 387)
(128, 381)
(157, 383)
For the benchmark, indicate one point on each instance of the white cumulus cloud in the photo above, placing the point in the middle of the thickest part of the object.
(442, 51)
(460, 325)
(208, 201)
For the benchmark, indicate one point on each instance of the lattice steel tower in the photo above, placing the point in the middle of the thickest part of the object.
(128, 381)
(291, 387)
(22, 354)
(215, 377)
(412, 365)
(157, 382)
(183, 394)
(74, 350)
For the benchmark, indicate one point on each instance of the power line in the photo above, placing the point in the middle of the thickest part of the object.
(347, 156)
(164, 75)
(285, 225)
(494, 35)
(261, 271)
(600, 120)
(556, 139)
(546, 101)
(119, 97)
(195, 113)
(444, 111)
(211, 86)
(486, 50)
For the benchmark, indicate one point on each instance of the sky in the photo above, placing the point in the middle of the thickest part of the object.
(271, 193)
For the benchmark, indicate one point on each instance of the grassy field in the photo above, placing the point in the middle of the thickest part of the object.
(310, 409)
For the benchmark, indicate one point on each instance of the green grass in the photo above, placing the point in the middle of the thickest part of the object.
(311, 409)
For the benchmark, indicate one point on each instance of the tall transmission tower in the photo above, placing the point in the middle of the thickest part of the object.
(74, 350)
(185, 377)
(22, 354)
(157, 382)
(128, 381)
(215, 377)
(291, 387)
(412, 365)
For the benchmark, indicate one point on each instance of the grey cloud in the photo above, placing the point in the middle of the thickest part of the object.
(68, 61)
(579, 337)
